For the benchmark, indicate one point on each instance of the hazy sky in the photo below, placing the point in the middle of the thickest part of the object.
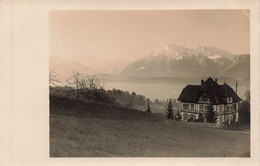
(132, 34)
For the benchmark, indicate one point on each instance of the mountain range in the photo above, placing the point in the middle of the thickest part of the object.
(168, 61)
(179, 61)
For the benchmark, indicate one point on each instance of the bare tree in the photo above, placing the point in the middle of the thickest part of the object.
(53, 80)
(93, 82)
(75, 81)
(83, 83)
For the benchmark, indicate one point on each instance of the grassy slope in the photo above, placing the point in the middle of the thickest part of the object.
(88, 129)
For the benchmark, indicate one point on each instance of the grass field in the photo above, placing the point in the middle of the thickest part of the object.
(89, 129)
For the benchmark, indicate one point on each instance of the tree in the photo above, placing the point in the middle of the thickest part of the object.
(148, 107)
(170, 110)
(244, 109)
(141, 100)
(53, 80)
(247, 95)
(211, 116)
(92, 82)
(84, 85)
(75, 81)
(244, 112)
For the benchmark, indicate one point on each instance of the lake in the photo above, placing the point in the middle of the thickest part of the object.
(161, 91)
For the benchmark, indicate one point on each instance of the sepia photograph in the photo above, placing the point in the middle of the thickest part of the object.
(167, 82)
(149, 83)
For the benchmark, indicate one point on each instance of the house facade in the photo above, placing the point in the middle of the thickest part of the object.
(195, 100)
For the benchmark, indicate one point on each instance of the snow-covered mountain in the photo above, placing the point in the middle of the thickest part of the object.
(179, 61)
(86, 65)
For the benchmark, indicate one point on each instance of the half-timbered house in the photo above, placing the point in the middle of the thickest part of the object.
(196, 98)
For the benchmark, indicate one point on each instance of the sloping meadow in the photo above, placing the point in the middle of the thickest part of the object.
(90, 129)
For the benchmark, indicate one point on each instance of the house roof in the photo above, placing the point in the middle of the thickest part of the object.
(215, 92)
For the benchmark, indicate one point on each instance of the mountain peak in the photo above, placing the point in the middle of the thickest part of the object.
(177, 52)
(179, 61)
(213, 52)
(172, 51)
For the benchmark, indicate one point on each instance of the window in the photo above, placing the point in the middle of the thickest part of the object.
(229, 99)
(185, 106)
(220, 108)
(228, 109)
(192, 107)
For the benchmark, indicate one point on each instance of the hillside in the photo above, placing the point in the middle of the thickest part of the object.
(89, 129)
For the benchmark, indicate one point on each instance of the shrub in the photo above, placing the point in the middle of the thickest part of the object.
(190, 120)
(232, 126)
(178, 117)
(200, 119)
(211, 116)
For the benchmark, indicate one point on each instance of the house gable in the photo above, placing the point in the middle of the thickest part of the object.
(203, 99)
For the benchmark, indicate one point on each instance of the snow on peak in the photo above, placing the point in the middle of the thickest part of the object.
(166, 48)
(180, 57)
(171, 51)
(179, 52)
(214, 56)
(140, 68)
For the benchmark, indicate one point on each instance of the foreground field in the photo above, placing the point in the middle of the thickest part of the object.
(88, 129)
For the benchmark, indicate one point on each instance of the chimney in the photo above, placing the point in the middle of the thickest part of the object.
(216, 80)
(202, 83)
(236, 87)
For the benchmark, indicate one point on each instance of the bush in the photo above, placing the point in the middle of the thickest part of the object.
(178, 117)
(200, 119)
(98, 95)
(232, 125)
(62, 91)
(190, 120)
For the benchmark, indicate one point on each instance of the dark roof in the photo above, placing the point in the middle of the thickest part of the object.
(215, 92)
(190, 93)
